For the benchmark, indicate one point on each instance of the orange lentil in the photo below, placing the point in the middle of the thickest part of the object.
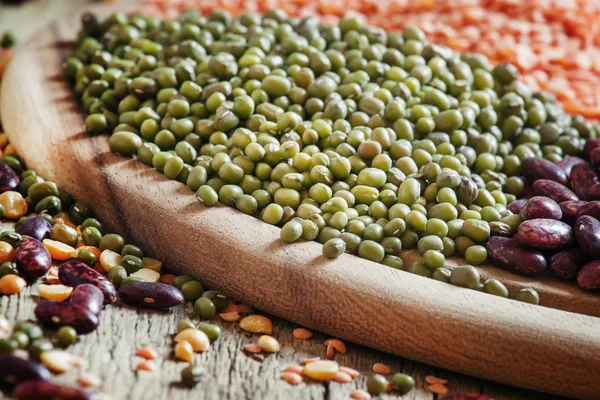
(147, 353)
(330, 352)
(230, 316)
(302, 333)
(11, 284)
(438, 388)
(147, 365)
(168, 279)
(342, 377)
(252, 348)
(292, 378)
(337, 344)
(381, 369)
(352, 372)
(359, 394)
(310, 360)
(88, 380)
(298, 369)
(6, 252)
(430, 379)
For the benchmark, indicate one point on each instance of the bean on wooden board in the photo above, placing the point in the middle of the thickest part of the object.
(32, 258)
(511, 255)
(151, 295)
(43, 390)
(567, 263)
(546, 234)
(591, 208)
(587, 232)
(75, 273)
(583, 177)
(569, 211)
(89, 297)
(8, 179)
(589, 276)
(14, 370)
(535, 168)
(36, 227)
(56, 314)
(541, 207)
(569, 162)
(554, 190)
(516, 206)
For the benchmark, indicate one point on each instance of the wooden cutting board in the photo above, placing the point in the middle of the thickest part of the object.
(541, 348)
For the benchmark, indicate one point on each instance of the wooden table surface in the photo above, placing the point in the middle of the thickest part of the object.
(228, 372)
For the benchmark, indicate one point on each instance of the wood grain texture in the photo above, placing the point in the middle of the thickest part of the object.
(470, 332)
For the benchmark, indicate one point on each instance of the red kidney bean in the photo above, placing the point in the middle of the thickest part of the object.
(8, 179)
(55, 314)
(591, 208)
(535, 168)
(568, 162)
(14, 370)
(511, 255)
(590, 145)
(587, 233)
(569, 210)
(554, 190)
(541, 207)
(567, 263)
(583, 177)
(32, 258)
(43, 390)
(36, 227)
(516, 206)
(593, 193)
(589, 276)
(595, 157)
(89, 297)
(75, 273)
(151, 295)
(546, 234)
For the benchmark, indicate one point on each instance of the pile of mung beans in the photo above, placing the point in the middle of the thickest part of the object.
(366, 141)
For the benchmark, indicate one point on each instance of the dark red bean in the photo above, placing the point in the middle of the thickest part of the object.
(569, 210)
(583, 177)
(43, 390)
(587, 232)
(14, 370)
(89, 297)
(9, 181)
(36, 227)
(568, 162)
(151, 295)
(516, 206)
(511, 255)
(590, 145)
(56, 314)
(595, 157)
(554, 190)
(75, 273)
(535, 168)
(593, 193)
(567, 263)
(591, 208)
(32, 258)
(541, 207)
(528, 190)
(589, 276)
(546, 234)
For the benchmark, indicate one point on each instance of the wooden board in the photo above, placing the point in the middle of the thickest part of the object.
(534, 347)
